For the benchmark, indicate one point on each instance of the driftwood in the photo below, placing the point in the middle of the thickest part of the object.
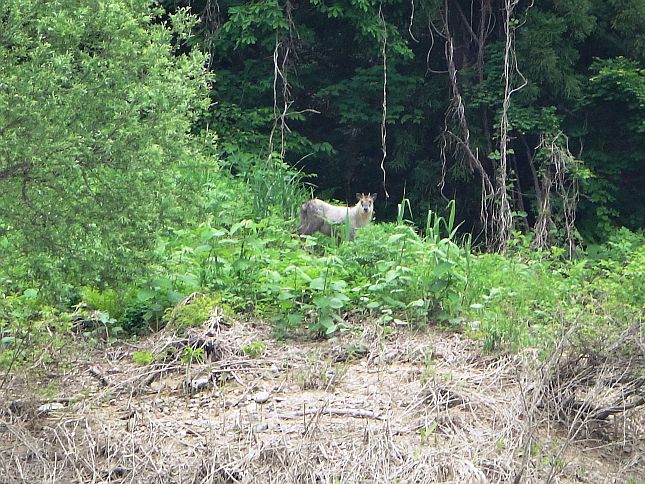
(604, 413)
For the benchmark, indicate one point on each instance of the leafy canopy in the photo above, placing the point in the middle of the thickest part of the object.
(96, 110)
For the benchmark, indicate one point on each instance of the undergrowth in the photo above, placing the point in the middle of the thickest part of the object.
(244, 257)
(529, 298)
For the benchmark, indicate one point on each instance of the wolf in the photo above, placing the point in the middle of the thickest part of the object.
(319, 216)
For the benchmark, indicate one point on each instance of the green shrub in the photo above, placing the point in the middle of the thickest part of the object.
(143, 358)
(29, 328)
(533, 298)
(190, 355)
(254, 349)
(194, 313)
(257, 265)
(107, 301)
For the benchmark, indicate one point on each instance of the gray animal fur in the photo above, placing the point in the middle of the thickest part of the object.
(319, 216)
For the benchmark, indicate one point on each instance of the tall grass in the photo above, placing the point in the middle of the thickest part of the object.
(273, 187)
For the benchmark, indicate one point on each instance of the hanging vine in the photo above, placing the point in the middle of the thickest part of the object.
(281, 52)
(558, 179)
(456, 131)
(384, 117)
(211, 21)
(502, 212)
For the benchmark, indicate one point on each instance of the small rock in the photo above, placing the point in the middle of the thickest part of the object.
(157, 386)
(117, 472)
(200, 384)
(261, 427)
(50, 407)
(261, 397)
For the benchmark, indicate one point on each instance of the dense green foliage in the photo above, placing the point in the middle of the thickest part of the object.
(532, 299)
(318, 64)
(120, 213)
(251, 263)
(96, 111)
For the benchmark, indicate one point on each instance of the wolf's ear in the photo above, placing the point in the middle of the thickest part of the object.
(373, 196)
(359, 196)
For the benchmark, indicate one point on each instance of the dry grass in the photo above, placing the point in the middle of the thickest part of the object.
(360, 408)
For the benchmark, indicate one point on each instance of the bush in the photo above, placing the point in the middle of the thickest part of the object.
(95, 161)
(531, 300)
(29, 328)
(190, 313)
(389, 271)
(107, 301)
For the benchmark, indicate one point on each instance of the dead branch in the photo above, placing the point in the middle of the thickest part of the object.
(558, 177)
(99, 375)
(604, 413)
(475, 38)
(357, 413)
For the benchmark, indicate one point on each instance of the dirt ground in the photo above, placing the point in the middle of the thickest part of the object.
(366, 406)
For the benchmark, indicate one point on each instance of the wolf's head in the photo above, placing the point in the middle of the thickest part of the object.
(366, 202)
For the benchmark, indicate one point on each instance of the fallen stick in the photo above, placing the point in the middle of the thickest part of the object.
(604, 413)
(98, 374)
(358, 413)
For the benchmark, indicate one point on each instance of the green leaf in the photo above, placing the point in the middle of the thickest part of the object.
(30, 293)
(419, 303)
(144, 295)
(391, 275)
(285, 295)
(191, 280)
(338, 302)
(318, 284)
(442, 268)
(295, 319)
(322, 302)
(202, 249)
